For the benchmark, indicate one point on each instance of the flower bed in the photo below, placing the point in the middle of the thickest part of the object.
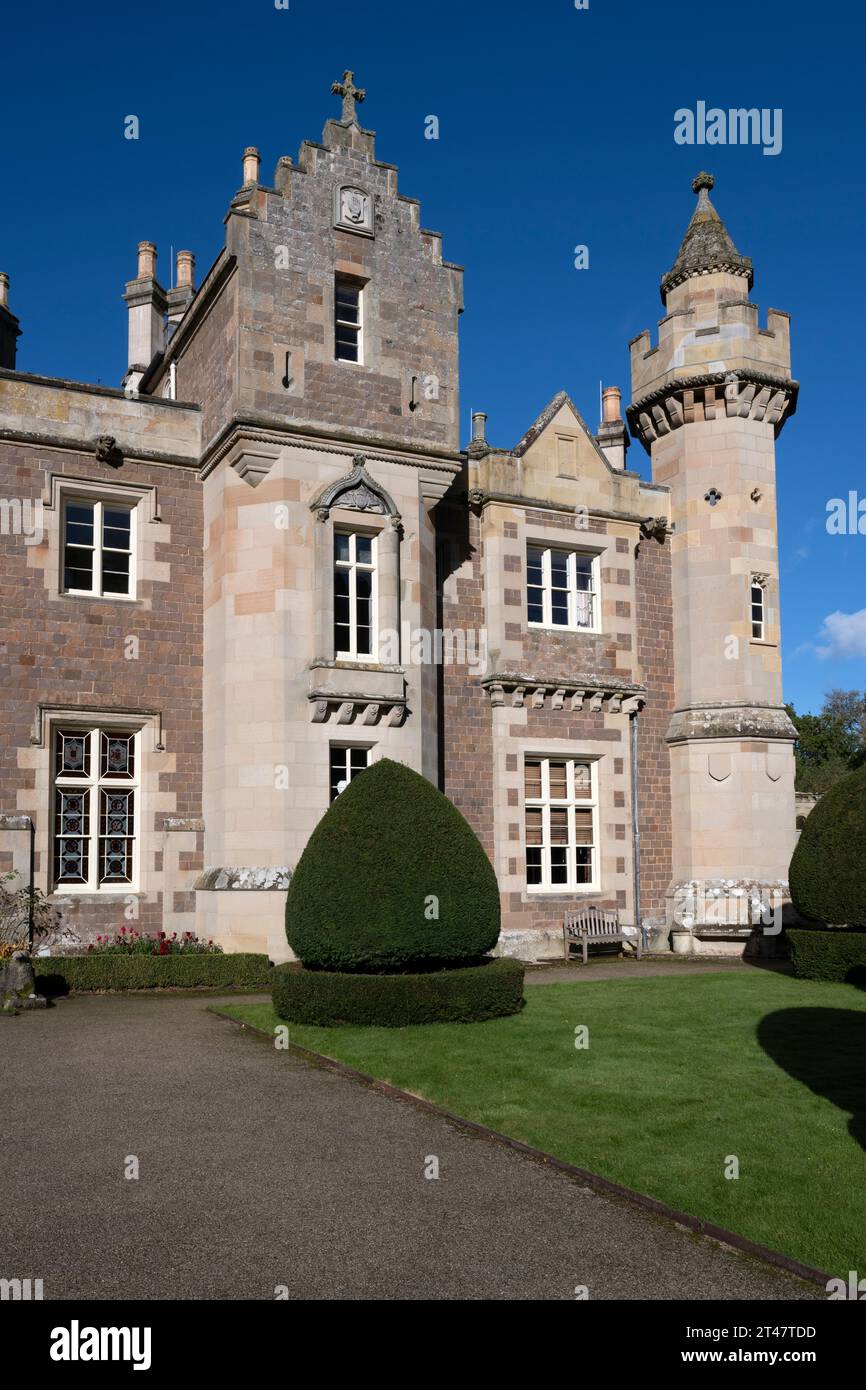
(136, 943)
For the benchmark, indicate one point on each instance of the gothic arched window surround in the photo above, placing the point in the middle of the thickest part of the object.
(356, 505)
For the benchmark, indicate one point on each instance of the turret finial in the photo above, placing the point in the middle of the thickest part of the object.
(703, 180)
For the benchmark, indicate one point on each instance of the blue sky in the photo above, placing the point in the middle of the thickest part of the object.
(556, 129)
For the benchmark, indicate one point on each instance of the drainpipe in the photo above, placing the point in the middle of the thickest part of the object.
(635, 828)
(30, 908)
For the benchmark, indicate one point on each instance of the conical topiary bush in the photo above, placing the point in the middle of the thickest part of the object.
(828, 870)
(392, 879)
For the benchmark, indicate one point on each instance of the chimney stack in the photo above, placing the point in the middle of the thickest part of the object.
(612, 437)
(251, 165)
(147, 304)
(478, 443)
(180, 298)
(185, 276)
(9, 330)
(611, 398)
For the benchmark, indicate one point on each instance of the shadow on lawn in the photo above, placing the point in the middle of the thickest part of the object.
(825, 1049)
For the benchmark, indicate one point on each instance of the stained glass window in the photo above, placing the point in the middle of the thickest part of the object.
(95, 795)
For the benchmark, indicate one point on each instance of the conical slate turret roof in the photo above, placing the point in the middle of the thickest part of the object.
(706, 245)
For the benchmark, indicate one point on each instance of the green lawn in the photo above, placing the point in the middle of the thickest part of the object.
(679, 1074)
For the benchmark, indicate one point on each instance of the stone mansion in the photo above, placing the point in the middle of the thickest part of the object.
(266, 559)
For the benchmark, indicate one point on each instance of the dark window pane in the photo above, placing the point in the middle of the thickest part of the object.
(583, 865)
(559, 609)
(359, 758)
(364, 550)
(365, 641)
(79, 534)
(78, 568)
(559, 864)
(341, 546)
(115, 528)
(559, 569)
(533, 865)
(535, 608)
(347, 299)
(364, 584)
(115, 573)
(80, 514)
(341, 637)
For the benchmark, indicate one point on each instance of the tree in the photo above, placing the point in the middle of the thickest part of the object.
(832, 743)
(392, 879)
(828, 870)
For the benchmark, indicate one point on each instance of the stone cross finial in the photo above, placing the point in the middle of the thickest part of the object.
(350, 94)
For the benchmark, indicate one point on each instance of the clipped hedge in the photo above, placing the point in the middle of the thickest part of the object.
(61, 974)
(828, 870)
(828, 955)
(393, 878)
(467, 995)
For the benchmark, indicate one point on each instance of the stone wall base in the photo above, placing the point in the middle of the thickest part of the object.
(244, 920)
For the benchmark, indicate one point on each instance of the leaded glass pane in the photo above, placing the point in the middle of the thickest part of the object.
(71, 753)
(117, 755)
(72, 827)
(116, 829)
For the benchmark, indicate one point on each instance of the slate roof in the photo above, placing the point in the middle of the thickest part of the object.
(706, 245)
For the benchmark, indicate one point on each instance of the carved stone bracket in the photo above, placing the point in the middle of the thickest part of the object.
(593, 693)
(680, 400)
(359, 710)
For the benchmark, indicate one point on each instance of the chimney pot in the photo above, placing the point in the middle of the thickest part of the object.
(4, 288)
(185, 270)
(251, 165)
(479, 427)
(611, 398)
(146, 260)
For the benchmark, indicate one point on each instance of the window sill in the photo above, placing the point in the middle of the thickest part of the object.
(94, 895)
(98, 598)
(556, 627)
(560, 891)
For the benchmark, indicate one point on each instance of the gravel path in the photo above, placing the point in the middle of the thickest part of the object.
(258, 1170)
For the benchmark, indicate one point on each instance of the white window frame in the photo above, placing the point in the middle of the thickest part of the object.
(99, 503)
(762, 624)
(572, 553)
(345, 323)
(571, 803)
(347, 749)
(352, 565)
(94, 783)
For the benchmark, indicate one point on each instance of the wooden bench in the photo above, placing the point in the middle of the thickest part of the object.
(594, 926)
